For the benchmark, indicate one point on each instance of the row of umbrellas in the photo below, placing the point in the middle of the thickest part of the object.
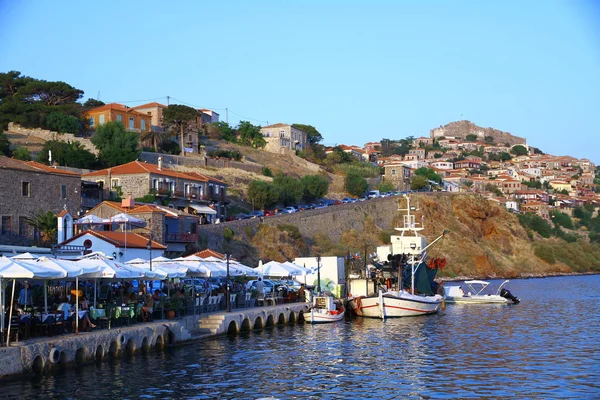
(122, 218)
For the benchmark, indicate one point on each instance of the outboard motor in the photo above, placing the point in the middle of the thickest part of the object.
(508, 295)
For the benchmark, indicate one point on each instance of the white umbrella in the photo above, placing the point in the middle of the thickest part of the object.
(24, 256)
(273, 268)
(90, 219)
(301, 270)
(15, 268)
(246, 270)
(124, 218)
(198, 267)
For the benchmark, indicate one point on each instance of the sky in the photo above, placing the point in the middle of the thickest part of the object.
(358, 71)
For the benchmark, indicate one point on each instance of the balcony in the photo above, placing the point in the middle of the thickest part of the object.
(182, 237)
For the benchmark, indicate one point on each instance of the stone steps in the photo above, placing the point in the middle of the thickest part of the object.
(211, 323)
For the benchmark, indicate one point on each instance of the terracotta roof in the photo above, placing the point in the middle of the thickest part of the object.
(134, 240)
(210, 253)
(48, 168)
(149, 105)
(139, 167)
(31, 166)
(279, 125)
(117, 107)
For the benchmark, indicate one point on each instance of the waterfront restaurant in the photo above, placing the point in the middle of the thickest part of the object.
(48, 296)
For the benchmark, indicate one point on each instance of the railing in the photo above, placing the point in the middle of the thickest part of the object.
(182, 237)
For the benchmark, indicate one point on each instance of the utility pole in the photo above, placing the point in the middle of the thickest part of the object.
(168, 97)
(226, 115)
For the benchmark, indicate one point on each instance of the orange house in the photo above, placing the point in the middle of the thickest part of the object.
(131, 119)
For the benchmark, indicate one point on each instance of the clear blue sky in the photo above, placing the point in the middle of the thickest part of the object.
(358, 71)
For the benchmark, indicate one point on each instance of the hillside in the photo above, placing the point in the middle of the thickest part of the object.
(460, 129)
(485, 240)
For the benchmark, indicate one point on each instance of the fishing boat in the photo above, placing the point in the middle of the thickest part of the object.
(479, 292)
(404, 285)
(324, 309)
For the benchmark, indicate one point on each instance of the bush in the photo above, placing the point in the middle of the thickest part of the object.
(545, 253)
(170, 147)
(21, 153)
(228, 235)
(562, 219)
(266, 171)
(355, 184)
(234, 154)
(536, 223)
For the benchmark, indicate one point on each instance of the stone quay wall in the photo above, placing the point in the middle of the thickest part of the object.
(40, 355)
(51, 135)
(170, 160)
(331, 221)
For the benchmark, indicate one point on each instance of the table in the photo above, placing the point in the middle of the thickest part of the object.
(96, 313)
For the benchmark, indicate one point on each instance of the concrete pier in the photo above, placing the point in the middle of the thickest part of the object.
(42, 354)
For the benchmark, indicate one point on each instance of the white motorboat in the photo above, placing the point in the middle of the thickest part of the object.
(404, 286)
(479, 292)
(324, 309)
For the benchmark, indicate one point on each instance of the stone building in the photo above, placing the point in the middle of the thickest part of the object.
(28, 187)
(282, 137)
(155, 111)
(399, 175)
(181, 190)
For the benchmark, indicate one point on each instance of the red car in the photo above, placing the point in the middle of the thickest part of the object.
(269, 212)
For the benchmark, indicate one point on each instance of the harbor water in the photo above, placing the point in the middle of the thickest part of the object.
(548, 346)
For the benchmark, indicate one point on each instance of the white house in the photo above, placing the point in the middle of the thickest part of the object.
(123, 246)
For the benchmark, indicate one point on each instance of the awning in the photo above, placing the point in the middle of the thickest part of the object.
(203, 209)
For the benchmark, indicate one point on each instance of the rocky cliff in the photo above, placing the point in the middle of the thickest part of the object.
(461, 129)
(484, 240)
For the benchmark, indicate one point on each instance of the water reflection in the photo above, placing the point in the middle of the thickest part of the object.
(545, 347)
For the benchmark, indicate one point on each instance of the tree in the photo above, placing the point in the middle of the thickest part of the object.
(428, 173)
(49, 93)
(62, 123)
(262, 194)
(92, 103)
(418, 182)
(70, 154)
(288, 188)
(46, 224)
(180, 117)
(354, 183)
(471, 137)
(4, 144)
(314, 187)
(313, 135)
(115, 145)
(154, 138)
(519, 150)
(385, 187)
(489, 139)
(21, 153)
(249, 135)
(226, 132)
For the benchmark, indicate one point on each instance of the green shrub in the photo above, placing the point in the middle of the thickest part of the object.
(234, 154)
(545, 253)
(62, 123)
(228, 235)
(293, 230)
(536, 223)
(266, 171)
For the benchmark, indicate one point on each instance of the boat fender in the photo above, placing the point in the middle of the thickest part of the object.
(442, 263)
(388, 283)
(54, 356)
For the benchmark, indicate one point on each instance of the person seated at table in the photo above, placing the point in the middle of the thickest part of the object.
(179, 293)
(131, 298)
(85, 304)
(156, 295)
(147, 308)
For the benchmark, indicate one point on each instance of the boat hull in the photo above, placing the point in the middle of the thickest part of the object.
(395, 305)
(482, 299)
(323, 316)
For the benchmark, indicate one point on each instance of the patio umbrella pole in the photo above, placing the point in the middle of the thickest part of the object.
(95, 291)
(76, 305)
(1, 307)
(12, 299)
(46, 296)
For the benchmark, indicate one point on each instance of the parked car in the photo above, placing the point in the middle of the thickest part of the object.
(346, 200)
(256, 214)
(241, 216)
(373, 194)
(268, 213)
(289, 210)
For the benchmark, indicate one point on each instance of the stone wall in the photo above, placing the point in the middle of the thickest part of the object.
(51, 135)
(170, 160)
(331, 221)
(45, 193)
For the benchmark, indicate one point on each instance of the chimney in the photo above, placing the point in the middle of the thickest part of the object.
(128, 202)
(160, 163)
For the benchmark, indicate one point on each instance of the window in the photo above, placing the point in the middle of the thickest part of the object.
(114, 183)
(131, 123)
(23, 226)
(6, 225)
(91, 122)
(101, 184)
(154, 183)
(101, 121)
(26, 189)
(119, 118)
(143, 124)
(393, 172)
(63, 191)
